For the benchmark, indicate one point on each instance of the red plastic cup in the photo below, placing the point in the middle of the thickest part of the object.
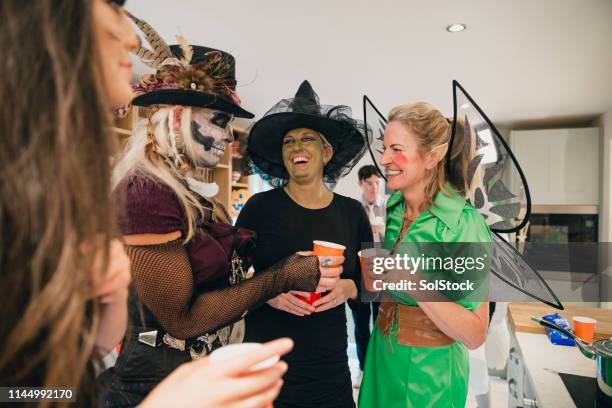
(310, 298)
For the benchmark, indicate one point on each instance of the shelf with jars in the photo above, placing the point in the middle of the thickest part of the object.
(240, 182)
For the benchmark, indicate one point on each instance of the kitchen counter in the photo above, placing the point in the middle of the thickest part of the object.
(543, 361)
(520, 313)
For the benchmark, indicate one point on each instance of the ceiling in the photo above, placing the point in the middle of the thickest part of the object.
(527, 63)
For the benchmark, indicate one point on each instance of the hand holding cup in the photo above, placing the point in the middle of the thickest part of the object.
(330, 268)
(366, 260)
(244, 376)
(331, 255)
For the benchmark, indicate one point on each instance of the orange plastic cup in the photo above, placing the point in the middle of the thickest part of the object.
(584, 328)
(323, 248)
(365, 256)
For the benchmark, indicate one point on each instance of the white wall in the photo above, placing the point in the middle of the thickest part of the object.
(396, 51)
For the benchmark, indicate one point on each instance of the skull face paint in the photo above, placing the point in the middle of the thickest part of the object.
(211, 133)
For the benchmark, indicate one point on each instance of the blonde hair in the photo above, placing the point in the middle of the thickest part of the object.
(432, 132)
(153, 151)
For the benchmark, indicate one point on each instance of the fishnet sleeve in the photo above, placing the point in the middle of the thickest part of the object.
(163, 281)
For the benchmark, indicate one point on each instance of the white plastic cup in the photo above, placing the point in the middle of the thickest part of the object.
(234, 350)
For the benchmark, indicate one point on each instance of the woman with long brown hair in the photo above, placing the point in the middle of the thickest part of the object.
(54, 193)
(63, 279)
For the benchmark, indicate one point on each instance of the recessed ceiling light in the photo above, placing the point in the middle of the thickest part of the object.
(455, 28)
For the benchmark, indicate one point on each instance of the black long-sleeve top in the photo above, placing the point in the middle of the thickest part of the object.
(318, 365)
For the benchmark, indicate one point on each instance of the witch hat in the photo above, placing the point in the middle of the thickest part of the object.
(334, 122)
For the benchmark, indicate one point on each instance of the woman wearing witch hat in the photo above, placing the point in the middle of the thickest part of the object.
(188, 262)
(303, 148)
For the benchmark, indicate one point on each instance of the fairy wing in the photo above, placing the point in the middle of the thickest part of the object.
(375, 130)
(481, 165)
(513, 269)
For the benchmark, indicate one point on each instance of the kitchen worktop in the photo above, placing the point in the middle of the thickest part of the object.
(542, 360)
(520, 317)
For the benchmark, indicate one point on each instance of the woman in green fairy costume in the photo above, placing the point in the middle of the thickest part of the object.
(417, 356)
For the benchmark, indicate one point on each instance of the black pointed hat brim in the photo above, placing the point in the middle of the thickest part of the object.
(186, 97)
(266, 141)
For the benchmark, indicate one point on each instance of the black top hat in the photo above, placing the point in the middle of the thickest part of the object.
(335, 123)
(189, 75)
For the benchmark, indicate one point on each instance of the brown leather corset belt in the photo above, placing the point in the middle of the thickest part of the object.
(414, 328)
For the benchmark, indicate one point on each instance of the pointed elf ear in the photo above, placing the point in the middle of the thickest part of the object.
(435, 155)
(177, 113)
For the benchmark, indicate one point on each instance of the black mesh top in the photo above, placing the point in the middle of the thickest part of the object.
(318, 366)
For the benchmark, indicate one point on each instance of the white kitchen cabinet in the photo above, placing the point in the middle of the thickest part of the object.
(533, 371)
(561, 165)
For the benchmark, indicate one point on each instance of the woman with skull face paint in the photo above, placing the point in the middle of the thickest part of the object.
(188, 263)
(303, 148)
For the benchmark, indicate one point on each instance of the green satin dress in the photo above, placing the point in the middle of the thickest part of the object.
(399, 376)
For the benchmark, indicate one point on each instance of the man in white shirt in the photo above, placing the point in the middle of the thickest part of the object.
(374, 204)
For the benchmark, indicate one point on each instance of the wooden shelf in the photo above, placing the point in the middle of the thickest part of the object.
(222, 166)
(240, 185)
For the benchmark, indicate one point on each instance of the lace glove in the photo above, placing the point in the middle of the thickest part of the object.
(163, 281)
